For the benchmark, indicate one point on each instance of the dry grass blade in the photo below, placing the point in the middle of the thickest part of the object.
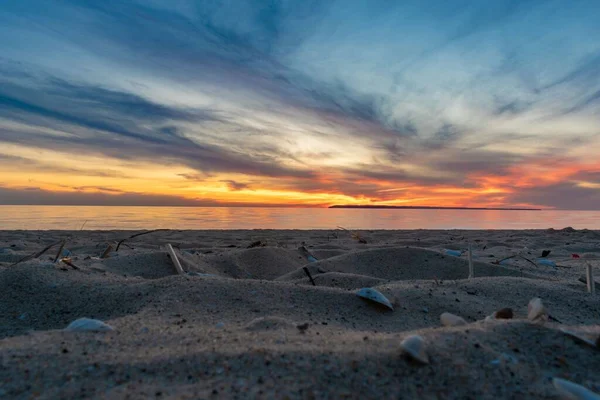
(69, 263)
(36, 255)
(136, 235)
(354, 235)
(175, 260)
(60, 249)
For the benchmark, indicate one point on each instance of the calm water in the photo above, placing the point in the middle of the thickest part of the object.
(67, 218)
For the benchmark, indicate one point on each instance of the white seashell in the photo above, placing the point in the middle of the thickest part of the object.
(448, 319)
(570, 390)
(374, 295)
(490, 318)
(578, 337)
(88, 325)
(414, 346)
(536, 312)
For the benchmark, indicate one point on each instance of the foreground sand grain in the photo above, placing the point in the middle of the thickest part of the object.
(252, 326)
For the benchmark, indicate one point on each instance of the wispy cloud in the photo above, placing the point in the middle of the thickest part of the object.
(353, 98)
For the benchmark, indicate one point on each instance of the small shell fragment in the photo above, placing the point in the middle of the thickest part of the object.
(88, 325)
(504, 313)
(580, 338)
(448, 319)
(570, 390)
(414, 346)
(375, 296)
(536, 312)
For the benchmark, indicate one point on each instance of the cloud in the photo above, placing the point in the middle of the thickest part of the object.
(353, 97)
(564, 195)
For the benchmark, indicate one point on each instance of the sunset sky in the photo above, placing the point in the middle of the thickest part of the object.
(191, 102)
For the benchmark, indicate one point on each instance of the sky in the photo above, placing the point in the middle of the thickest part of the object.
(234, 102)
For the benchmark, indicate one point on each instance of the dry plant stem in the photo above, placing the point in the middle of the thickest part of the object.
(136, 235)
(471, 272)
(175, 260)
(60, 249)
(307, 272)
(36, 255)
(589, 273)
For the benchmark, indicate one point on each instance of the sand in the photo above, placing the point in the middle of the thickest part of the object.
(247, 322)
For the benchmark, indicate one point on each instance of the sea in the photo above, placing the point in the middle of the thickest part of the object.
(134, 218)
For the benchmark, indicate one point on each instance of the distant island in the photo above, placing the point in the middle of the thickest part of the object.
(435, 208)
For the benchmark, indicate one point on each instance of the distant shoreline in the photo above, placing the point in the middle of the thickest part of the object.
(435, 208)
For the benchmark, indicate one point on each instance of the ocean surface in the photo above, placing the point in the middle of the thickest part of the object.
(74, 217)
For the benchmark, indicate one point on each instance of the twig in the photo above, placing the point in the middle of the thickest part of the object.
(60, 249)
(136, 235)
(84, 222)
(36, 255)
(70, 264)
(307, 272)
(175, 260)
(471, 272)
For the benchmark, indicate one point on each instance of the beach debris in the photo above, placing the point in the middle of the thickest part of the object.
(546, 253)
(36, 255)
(303, 327)
(580, 338)
(575, 255)
(449, 319)
(107, 251)
(23, 316)
(536, 312)
(307, 254)
(307, 272)
(455, 253)
(570, 390)
(544, 261)
(174, 259)
(136, 235)
(220, 325)
(414, 346)
(374, 296)
(258, 243)
(470, 254)
(88, 325)
(504, 313)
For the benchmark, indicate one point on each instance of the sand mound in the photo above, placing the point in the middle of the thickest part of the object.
(342, 280)
(257, 263)
(399, 263)
(152, 265)
(269, 323)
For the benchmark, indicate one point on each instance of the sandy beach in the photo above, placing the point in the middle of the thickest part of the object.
(245, 321)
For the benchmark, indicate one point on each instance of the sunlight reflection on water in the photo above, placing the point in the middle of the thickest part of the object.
(72, 218)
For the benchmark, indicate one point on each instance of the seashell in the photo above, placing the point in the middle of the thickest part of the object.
(536, 312)
(375, 296)
(88, 325)
(570, 390)
(414, 346)
(490, 318)
(504, 313)
(448, 319)
(580, 338)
